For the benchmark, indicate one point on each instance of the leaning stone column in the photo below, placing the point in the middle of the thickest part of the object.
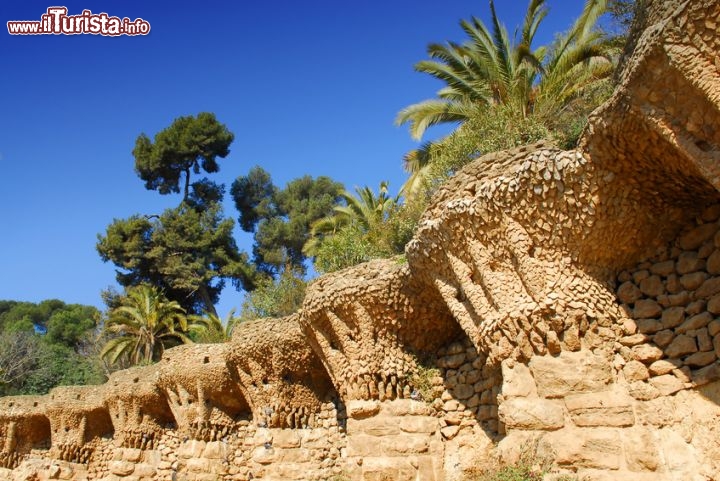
(23, 426)
(77, 416)
(138, 409)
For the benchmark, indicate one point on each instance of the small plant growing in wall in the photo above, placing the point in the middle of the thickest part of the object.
(423, 381)
(530, 466)
(339, 477)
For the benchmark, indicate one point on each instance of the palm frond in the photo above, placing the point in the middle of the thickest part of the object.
(425, 114)
(115, 348)
(536, 13)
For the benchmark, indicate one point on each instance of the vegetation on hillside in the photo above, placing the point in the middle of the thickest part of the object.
(275, 297)
(47, 344)
(211, 328)
(504, 91)
(365, 227)
(281, 219)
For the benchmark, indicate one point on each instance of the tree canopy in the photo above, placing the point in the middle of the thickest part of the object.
(281, 218)
(42, 346)
(624, 12)
(70, 324)
(188, 253)
(187, 146)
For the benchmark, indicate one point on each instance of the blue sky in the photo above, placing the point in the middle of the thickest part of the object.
(307, 87)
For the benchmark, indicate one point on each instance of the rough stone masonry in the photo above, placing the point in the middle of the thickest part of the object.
(564, 300)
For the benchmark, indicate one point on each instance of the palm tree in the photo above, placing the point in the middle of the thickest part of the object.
(490, 70)
(210, 328)
(145, 323)
(365, 210)
(484, 71)
(576, 62)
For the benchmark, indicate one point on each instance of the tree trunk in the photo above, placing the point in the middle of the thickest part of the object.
(187, 184)
(205, 296)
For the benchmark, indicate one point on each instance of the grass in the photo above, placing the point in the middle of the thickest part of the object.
(339, 477)
(423, 380)
(530, 466)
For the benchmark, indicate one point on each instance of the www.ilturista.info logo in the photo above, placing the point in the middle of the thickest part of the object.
(57, 22)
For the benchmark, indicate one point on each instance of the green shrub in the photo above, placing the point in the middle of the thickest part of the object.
(354, 244)
(274, 297)
(350, 246)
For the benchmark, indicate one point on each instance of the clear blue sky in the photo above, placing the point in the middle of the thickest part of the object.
(308, 87)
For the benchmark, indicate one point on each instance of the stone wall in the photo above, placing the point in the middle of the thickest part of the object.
(674, 300)
(591, 422)
(645, 406)
(248, 452)
(201, 413)
(563, 303)
(398, 440)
